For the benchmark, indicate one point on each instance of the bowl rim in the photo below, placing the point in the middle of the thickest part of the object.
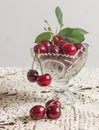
(84, 52)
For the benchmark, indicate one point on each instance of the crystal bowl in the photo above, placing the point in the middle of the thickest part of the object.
(62, 68)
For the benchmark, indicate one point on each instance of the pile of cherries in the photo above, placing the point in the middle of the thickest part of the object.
(52, 110)
(58, 45)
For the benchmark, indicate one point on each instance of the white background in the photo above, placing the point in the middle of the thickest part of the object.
(22, 20)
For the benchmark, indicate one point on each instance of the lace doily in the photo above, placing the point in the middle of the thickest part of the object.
(18, 95)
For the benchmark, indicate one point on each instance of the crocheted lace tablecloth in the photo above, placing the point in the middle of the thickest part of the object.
(18, 95)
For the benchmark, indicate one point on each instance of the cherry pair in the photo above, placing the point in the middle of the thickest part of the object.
(42, 80)
(52, 110)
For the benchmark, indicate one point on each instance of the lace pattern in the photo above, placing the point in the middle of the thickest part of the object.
(18, 95)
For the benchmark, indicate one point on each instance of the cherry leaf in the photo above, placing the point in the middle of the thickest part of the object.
(80, 30)
(75, 38)
(43, 36)
(65, 32)
(59, 16)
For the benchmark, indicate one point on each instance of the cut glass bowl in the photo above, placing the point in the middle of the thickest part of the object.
(61, 68)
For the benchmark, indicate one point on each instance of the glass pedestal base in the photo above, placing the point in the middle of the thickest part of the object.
(67, 97)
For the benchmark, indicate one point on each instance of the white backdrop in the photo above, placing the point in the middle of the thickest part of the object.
(22, 20)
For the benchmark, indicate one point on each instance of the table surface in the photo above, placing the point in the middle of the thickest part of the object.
(18, 95)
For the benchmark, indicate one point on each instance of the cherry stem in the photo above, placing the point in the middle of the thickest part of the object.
(51, 104)
(33, 62)
(49, 27)
(59, 30)
(50, 30)
(39, 63)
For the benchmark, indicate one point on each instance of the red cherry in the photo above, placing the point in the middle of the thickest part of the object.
(79, 46)
(37, 112)
(58, 43)
(69, 49)
(46, 43)
(54, 48)
(52, 102)
(57, 38)
(44, 80)
(40, 48)
(32, 75)
(53, 112)
(62, 44)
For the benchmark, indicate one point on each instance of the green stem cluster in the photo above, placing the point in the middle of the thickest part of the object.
(49, 27)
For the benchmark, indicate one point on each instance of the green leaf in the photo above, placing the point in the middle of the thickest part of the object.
(65, 32)
(42, 36)
(80, 30)
(75, 38)
(73, 35)
(59, 16)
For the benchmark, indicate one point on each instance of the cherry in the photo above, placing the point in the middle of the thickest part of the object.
(53, 112)
(46, 43)
(69, 49)
(40, 48)
(52, 102)
(57, 38)
(44, 80)
(62, 44)
(58, 42)
(37, 112)
(54, 48)
(79, 46)
(32, 75)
